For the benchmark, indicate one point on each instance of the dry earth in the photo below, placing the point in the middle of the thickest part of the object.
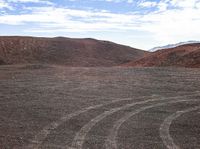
(65, 51)
(53, 107)
(181, 56)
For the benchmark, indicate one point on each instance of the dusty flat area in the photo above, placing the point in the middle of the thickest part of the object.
(51, 107)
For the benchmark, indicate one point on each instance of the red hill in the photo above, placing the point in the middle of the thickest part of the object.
(181, 56)
(65, 51)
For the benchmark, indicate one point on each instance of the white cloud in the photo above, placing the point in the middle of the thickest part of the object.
(47, 2)
(72, 19)
(174, 25)
(161, 5)
(4, 4)
(184, 3)
(115, 1)
(147, 4)
(164, 25)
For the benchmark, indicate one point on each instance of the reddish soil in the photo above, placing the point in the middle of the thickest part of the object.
(181, 56)
(65, 51)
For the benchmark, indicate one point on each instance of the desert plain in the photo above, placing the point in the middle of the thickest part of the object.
(56, 107)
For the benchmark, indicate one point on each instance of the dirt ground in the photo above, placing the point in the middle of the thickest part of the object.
(54, 107)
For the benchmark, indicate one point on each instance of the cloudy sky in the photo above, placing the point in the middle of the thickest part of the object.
(139, 23)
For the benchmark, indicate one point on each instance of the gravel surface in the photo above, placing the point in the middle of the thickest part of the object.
(55, 107)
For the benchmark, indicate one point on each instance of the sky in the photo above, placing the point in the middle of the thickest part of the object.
(142, 24)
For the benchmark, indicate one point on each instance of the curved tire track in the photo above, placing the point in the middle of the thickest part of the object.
(80, 136)
(111, 139)
(41, 136)
(164, 128)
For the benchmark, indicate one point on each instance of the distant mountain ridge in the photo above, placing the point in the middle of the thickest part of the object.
(65, 51)
(172, 45)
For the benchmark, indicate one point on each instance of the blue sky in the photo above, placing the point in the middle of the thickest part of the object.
(138, 23)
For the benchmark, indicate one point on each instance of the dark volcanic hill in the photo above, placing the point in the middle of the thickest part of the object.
(65, 51)
(181, 56)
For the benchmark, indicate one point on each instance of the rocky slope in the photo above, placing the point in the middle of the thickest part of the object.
(181, 56)
(65, 51)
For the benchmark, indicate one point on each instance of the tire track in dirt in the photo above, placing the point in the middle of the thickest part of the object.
(80, 136)
(111, 139)
(165, 126)
(42, 135)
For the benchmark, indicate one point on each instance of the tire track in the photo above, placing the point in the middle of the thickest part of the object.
(42, 135)
(164, 128)
(111, 139)
(80, 136)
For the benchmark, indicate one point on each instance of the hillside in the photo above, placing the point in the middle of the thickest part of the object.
(65, 51)
(181, 56)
